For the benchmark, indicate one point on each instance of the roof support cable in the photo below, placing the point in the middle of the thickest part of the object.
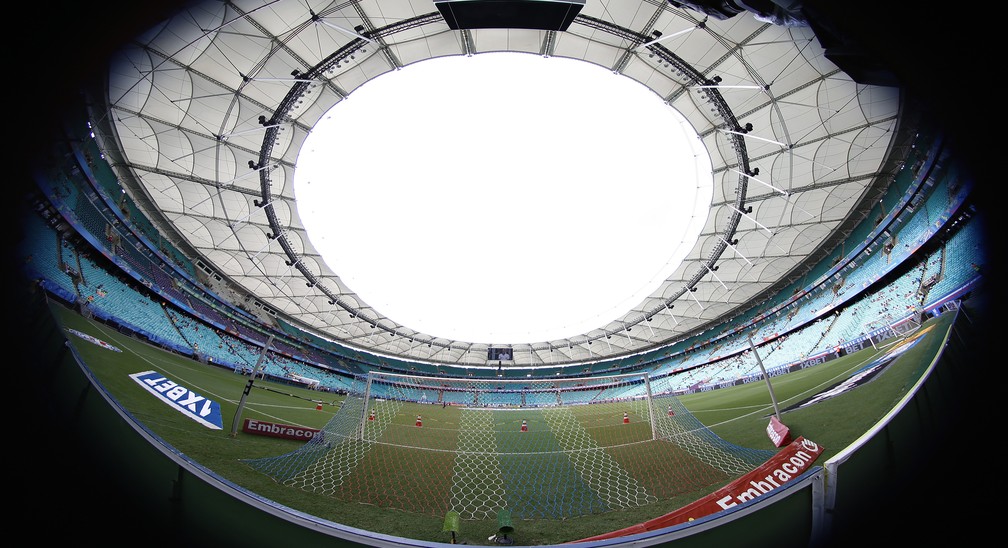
(709, 269)
(735, 249)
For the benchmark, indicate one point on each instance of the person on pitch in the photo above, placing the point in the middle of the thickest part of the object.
(670, 413)
(626, 418)
(418, 421)
(371, 416)
(524, 427)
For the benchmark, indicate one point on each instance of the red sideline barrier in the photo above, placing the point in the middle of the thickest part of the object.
(778, 432)
(789, 463)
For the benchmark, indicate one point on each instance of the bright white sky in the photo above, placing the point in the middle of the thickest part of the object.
(503, 197)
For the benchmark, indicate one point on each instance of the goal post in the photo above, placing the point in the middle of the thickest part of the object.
(633, 391)
(481, 384)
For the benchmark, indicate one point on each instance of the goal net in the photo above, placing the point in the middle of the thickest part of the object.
(541, 449)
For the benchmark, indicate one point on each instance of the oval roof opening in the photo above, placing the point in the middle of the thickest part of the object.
(526, 198)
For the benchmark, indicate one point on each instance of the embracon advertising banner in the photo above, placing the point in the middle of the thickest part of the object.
(789, 463)
(286, 431)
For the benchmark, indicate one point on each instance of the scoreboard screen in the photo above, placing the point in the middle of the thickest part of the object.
(499, 354)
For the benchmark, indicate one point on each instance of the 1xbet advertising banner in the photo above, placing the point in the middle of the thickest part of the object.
(198, 408)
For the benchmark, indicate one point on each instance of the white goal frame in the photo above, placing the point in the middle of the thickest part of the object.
(479, 385)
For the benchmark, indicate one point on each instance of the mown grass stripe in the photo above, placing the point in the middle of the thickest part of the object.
(597, 469)
(541, 480)
(478, 490)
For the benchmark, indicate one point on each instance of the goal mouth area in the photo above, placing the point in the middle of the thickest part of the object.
(587, 446)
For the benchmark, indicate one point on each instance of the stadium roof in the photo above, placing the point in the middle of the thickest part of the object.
(206, 114)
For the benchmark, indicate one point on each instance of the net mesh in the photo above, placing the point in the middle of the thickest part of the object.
(539, 449)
